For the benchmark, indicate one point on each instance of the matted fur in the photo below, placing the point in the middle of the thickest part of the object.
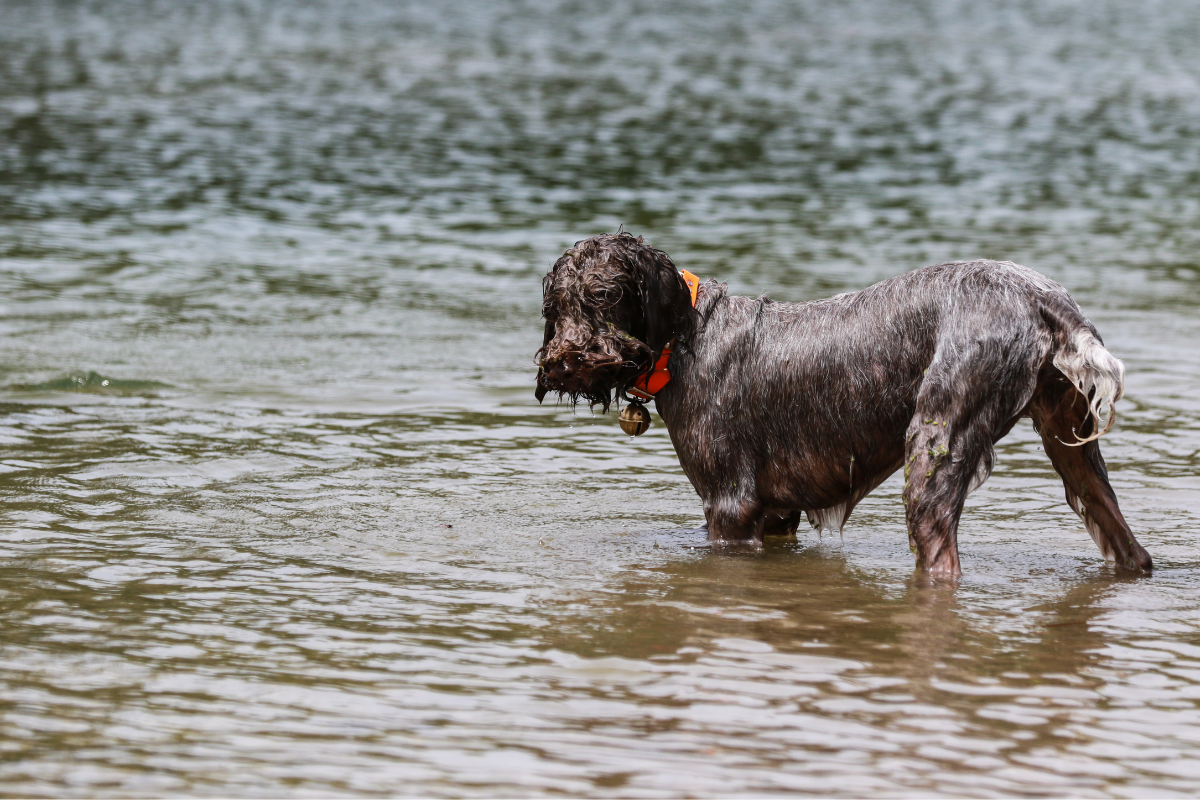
(611, 304)
(778, 409)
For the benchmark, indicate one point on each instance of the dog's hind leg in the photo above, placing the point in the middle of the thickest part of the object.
(1060, 414)
(970, 397)
(937, 474)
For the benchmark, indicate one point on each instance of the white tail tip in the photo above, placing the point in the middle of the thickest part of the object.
(1098, 375)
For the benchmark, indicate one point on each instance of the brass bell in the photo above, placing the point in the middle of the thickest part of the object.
(634, 419)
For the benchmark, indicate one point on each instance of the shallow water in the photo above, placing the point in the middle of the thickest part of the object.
(282, 518)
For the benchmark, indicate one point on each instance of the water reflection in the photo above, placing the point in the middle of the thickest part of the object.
(838, 668)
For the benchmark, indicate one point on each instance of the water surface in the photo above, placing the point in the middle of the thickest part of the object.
(281, 517)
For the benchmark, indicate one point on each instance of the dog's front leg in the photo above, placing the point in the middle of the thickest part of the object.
(735, 519)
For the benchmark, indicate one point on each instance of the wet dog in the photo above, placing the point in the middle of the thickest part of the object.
(781, 408)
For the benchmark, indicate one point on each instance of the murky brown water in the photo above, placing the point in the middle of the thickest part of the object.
(269, 299)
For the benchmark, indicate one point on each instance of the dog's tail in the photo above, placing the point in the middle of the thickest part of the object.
(1097, 374)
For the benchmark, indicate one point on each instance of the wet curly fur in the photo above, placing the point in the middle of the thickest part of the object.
(783, 409)
(611, 304)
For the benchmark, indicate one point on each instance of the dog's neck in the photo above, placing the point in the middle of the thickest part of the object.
(650, 384)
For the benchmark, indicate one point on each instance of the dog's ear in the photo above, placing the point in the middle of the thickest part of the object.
(664, 299)
(540, 389)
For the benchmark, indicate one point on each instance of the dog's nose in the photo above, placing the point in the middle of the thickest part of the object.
(561, 370)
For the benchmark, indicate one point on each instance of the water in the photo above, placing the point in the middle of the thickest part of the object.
(281, 517)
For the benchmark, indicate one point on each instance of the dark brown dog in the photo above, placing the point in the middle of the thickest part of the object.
(778, 408)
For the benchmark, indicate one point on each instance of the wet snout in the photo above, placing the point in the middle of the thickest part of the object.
(562, 368)
(586, 361)
(565, 370)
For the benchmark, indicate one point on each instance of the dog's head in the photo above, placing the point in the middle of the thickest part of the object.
(611, 304)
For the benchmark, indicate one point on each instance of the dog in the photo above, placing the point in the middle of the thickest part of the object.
(780, 408)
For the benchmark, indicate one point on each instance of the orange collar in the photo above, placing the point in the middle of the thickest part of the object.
(650, 384)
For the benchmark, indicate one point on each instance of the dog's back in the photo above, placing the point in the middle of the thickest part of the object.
(888, 342)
